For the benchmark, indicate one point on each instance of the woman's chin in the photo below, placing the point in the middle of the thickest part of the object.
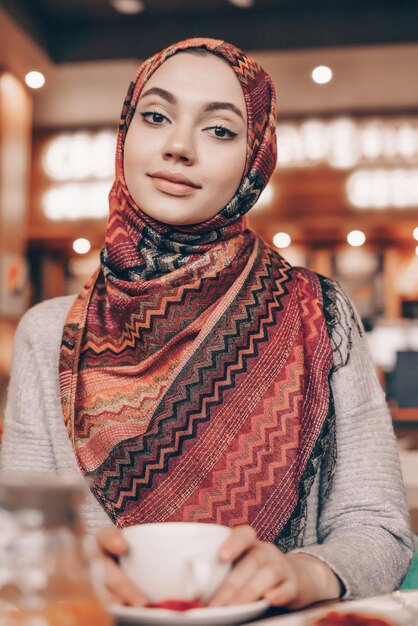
(176, 218)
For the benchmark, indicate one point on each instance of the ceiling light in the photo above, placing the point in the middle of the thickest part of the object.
(242, 4)
(282, 240)
(322, 74)
(35, 80)
(81, 245)
(356, 238)
(415, 233)
(128, 7)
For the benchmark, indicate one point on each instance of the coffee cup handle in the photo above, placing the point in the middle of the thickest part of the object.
(201, 570)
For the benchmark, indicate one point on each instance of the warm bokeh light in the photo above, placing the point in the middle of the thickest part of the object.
(356, 238)
(282, 240)
(315, 140)
(80, 155)
(344, 149)
(321, 74)
(35, 80)
(75, 201)
(415, 233)
(354, 262)
(343, 142)
(82, 166)
(81, 245)
(128, 7)
(379, 189)
(242, 4)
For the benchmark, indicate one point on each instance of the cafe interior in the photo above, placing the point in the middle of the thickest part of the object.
(344, 196)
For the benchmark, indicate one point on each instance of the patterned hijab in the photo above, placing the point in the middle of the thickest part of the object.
(194, 364)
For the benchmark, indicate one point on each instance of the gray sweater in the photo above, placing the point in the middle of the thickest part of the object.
(361, 530)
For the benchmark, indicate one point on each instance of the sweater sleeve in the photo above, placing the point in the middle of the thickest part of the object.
(363, 525)
(26, 444)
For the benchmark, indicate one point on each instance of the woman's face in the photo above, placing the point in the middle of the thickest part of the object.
(185, 148)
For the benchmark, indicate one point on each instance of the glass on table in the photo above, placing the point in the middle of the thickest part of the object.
(45, 575)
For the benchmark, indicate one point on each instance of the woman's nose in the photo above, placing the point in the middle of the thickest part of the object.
(180, 146)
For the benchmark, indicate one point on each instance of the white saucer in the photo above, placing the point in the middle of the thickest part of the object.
(210, 616)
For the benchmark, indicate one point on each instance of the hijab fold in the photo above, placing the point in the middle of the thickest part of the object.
(195, 364)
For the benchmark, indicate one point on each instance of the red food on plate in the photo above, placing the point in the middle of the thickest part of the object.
(335, 618)
(176, 605)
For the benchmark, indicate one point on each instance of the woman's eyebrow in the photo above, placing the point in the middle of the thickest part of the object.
(163, 93)
(228, 106)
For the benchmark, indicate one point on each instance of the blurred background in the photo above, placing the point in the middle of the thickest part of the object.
(344, 196)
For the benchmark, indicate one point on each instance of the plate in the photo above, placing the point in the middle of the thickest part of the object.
(208, 616)
(400, 607)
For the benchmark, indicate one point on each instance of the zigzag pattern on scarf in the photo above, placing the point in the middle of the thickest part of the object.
(231, 484)
(143, 327)
(208, 368)
(249, 469)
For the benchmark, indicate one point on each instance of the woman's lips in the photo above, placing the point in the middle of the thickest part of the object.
(173, 187)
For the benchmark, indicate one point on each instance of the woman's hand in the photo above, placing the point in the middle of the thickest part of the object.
(120, 590)
(261, 570)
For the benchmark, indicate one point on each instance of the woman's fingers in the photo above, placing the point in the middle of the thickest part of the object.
(267, 578)
(111, 541)
(112, 598)
(258, 570)
(239, 576)
(262, 571)
(239, 541)
(283, 594)
(118, 586)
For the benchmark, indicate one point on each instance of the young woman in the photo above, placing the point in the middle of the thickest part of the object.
(201, 377)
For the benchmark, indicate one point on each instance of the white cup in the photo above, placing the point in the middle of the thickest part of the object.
(175, 560)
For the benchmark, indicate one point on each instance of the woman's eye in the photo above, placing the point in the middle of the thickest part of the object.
(153, 117)
(222, 133)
